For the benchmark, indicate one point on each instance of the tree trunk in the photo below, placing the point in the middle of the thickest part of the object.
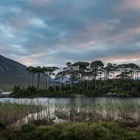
(48, 81)
(38, 80)
(33, 79)
(60, 84)
(71, 81)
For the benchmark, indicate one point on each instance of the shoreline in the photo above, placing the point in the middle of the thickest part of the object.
(79, 96)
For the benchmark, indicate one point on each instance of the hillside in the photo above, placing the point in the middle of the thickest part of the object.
(11, 73)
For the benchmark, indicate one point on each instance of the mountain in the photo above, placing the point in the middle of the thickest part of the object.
(11, 73)
(14, 73)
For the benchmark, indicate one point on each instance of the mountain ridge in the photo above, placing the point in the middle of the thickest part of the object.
(12, 73)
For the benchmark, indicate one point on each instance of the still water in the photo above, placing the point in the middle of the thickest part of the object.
(66, 101)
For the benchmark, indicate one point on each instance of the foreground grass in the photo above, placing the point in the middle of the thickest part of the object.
(126, 112)
(85, 122)
(70, 131)
(12, 112)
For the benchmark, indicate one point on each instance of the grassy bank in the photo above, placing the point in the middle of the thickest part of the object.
(70, 131)
(105, 120)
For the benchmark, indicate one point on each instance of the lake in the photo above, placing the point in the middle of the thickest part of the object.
(67, 101)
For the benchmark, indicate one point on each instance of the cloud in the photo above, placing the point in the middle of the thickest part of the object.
(130, 5)
(52, 32)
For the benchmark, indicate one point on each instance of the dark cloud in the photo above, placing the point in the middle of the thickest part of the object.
(41, 32)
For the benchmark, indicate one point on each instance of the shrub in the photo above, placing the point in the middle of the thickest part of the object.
(106, 88)
(2, 126)
(71, 131)
(51, 88)
(26, 128)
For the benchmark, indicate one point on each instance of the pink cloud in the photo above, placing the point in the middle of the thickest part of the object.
(29, 59)
(135, 4)
(134, 58)
(129, 4)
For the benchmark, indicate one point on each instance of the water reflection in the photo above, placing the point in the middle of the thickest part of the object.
(65, 101)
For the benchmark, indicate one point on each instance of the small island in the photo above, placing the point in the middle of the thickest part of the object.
(82, 79)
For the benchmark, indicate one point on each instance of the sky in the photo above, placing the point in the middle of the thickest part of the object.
(53, 32)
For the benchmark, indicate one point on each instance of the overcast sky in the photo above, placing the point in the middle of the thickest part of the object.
(53, 32)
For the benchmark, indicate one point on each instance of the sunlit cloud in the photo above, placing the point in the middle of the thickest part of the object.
(130, 4)
(119, 59)
(29, 59)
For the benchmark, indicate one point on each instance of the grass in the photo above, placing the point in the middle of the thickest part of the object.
(70, 131)
(107, 120)
(12, 112)
(126, 112)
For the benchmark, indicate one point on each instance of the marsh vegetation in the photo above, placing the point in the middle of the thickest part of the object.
(106, 119)
(42, 113)
(70, 131)
(127, 112)
(12, 112)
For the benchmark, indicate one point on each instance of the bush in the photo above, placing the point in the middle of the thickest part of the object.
(71, 131)
(2, 126)
(26, 128)
(51, 88)
(106, 88)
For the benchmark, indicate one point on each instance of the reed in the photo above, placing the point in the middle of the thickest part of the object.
(12, 112)
(127, 112)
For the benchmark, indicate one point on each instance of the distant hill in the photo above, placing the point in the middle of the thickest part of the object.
(14, 73)
(11, 73)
